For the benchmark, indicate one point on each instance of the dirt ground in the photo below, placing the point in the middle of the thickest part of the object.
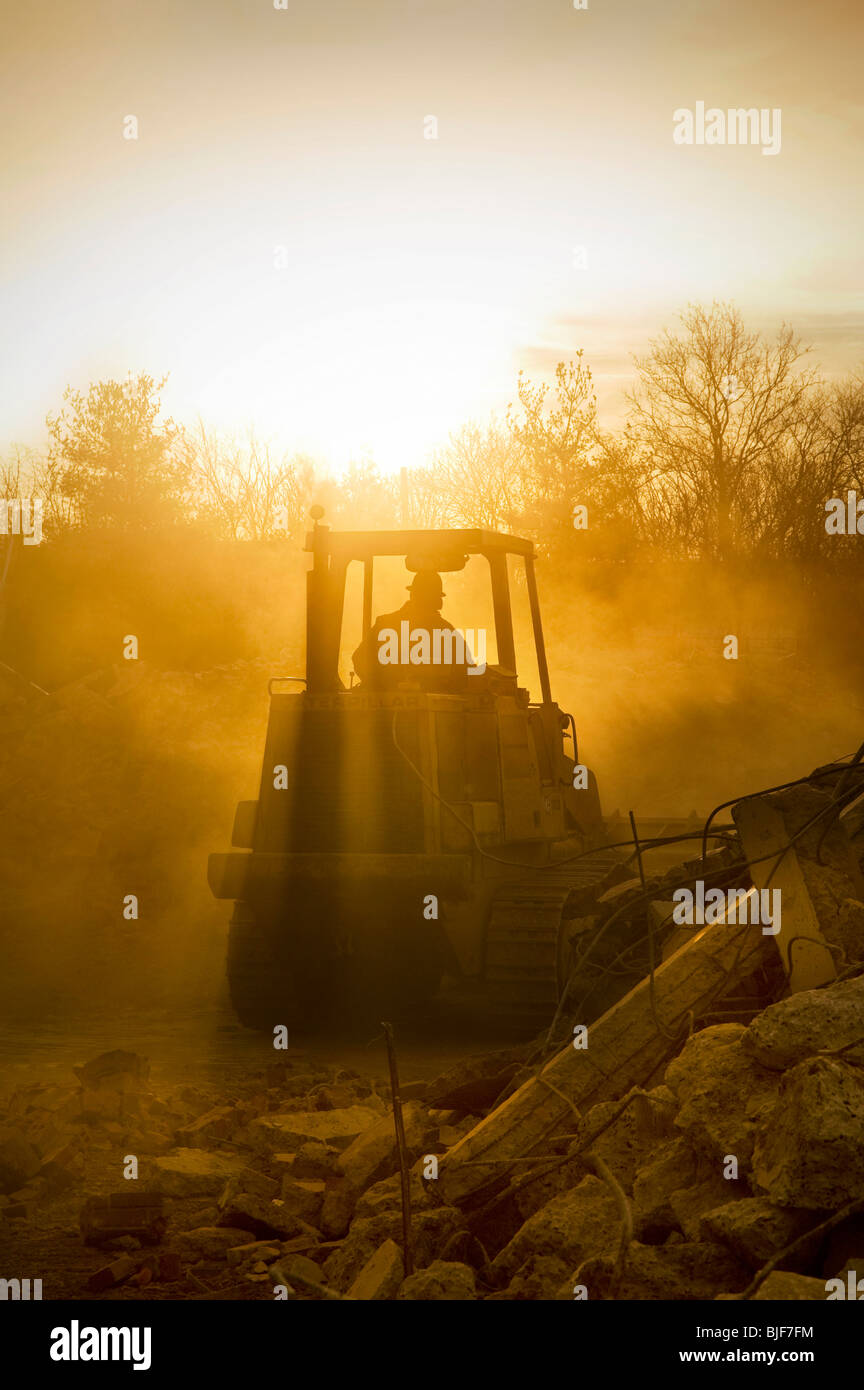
(198, 1059)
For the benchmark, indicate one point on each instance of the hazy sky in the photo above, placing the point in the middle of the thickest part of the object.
(285, 242)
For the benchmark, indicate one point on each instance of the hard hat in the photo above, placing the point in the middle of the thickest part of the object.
(426, 587)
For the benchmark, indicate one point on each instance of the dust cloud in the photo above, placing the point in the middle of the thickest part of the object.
(119, 777)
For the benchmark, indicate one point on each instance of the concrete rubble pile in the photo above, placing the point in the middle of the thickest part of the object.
(659, 1155)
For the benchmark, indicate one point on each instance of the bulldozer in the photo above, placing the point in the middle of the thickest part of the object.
(407, 834)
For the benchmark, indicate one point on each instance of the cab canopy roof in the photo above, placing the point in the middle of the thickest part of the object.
(439, 550)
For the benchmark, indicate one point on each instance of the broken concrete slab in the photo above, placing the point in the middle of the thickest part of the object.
(448, 1135)
(822, 1020)
(148, 1143)
(303, 1197)
(660, 916)
(249, 1252)
(62, 1165)
(682, 1272)
(386, 1195)
(262, 1217)
(626, 1143)
(817, 877)
(312, 1160)
(214, 1125)
(373, 1157)
(690, 1204)
(675, 1166)
(194, 1172)
(783, 1287)
(141, 1215)
(281, 1165)
(381, 1275)
(430, 1232)
(576, 1224)
(334, 1097)
(249, 1180)
(114, 1071)
(302, 1244)
(756, 1230)
(337, 1209)
(538, 1279)
(374, 1154)
(624, 1048)
(298, 1083)
(209, 1242)
(723, 1094)
(441, 1281)
(111, 1104)
(112, 1274)
(809, 1152)
(43, 1099)
(125, 1243)
(339, 1128)
(300, 1267)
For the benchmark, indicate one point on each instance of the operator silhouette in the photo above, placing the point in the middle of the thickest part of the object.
(410, 645)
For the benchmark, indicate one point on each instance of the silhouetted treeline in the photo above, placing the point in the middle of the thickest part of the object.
(731, 449)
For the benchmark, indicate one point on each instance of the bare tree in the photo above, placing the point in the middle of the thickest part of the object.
(28, 474)
(428, 503)
(241, 492)
(820, 457)
(557, 437)
(714, 410)
(12, 471)
(480, 474)
(361, 497)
